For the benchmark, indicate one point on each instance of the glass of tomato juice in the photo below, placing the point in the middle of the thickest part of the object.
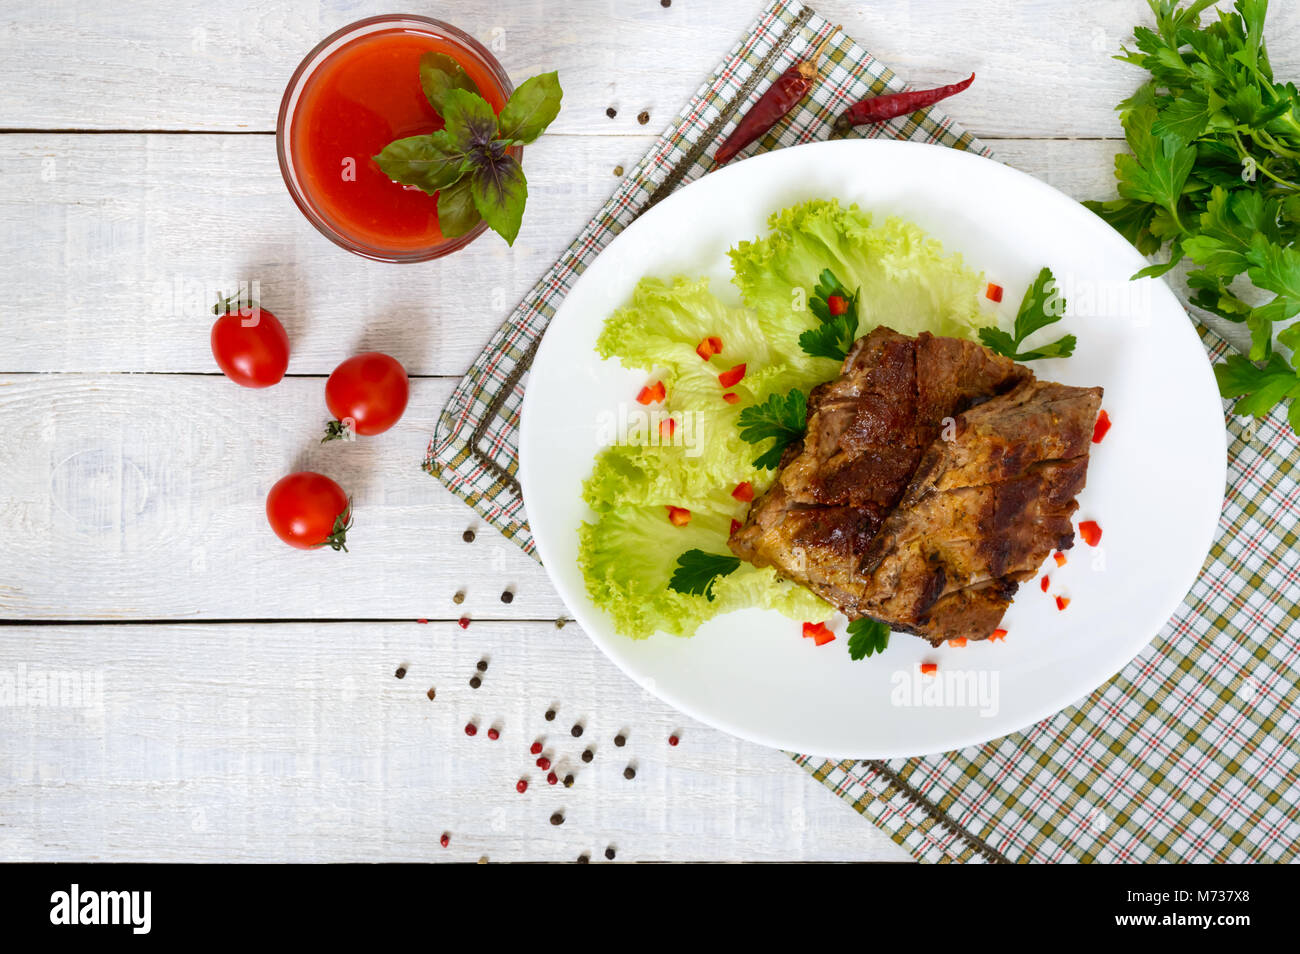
(356, 92)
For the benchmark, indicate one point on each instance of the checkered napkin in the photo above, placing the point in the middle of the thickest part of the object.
(1189, 754)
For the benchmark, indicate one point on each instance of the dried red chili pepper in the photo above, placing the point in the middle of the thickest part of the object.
(781, 97)
(876, 109)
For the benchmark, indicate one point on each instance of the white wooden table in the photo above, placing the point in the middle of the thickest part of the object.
(249, 706)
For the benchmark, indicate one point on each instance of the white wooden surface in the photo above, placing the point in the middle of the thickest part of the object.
(250, 709)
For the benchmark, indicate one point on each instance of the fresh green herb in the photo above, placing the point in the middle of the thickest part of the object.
(837, 326)
(1215, 176)
(783, 418)
(1041, 306)
(1260, 389)
(697, 571)
(468, 164)
(867, 637)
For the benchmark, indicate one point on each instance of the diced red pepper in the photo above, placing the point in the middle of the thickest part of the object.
(678, 516)
(1062, 602)
(652, 394)
(744, 491)
(837, 305)
(929, 669)
(1045, 582)
(730, 378)
(959, 641)
(666, 428)
(1101, 427)
(731, 397)
(1091, 532)
(998, 635)
(735, 525)
(707, 348)
(993, 292)
(818, 633)
(1059, 557)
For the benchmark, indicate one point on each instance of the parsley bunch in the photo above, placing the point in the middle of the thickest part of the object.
(468, 164)
(1215, 176)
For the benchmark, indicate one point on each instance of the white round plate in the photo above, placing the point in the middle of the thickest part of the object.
(1155, 484)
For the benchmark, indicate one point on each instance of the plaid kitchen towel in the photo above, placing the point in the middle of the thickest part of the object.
(1189, 754)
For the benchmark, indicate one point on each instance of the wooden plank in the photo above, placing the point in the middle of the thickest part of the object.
(1044, 67)
(281, 742)
(113, 248)
(142, 497)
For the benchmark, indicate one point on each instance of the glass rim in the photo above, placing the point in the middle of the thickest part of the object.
(293, 91)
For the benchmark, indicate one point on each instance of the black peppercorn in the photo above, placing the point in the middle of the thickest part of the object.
(401, 672)
(629, 772)
(507, 596)
(584, 859)
(576, 730)
(643, 117)
(468, 536)
(611, 112)
(482, 665)
(475, 682)
(550, 715)
(432, 693)
(620, 741)
(557, 819)
(568, 781)
(609, 852)
(587, 755)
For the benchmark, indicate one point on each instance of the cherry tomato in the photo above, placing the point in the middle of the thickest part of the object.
(251, 349)
(308, 510)
(367, 394)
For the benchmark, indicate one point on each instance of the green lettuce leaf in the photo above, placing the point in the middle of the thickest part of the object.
(904, 278)
(630, 554)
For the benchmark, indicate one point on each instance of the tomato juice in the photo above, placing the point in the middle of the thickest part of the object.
(353, 96)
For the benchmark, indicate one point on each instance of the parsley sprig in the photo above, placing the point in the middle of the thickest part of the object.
(835, 333)
(468, 164)
(697, 571)
(866, 638)
(1041, 306)
(1214, 175)
(784, 418)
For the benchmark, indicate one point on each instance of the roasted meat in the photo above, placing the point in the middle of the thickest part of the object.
(931, 473)
(982, 512)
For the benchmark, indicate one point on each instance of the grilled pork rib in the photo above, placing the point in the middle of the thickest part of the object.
(878, 514)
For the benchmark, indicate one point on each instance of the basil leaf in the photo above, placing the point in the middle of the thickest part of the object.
(439, 73)
(456, 212)
(430, 162)
(470, 120)
(532, 108)
(500, 191)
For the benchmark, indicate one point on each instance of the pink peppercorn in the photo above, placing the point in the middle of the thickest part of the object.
(471, 728)
(551, 778)
(543, 763)
(493, 734)
(521, 786)
(535, 748)
(463, 622)
(445, 840)
(673, 740)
